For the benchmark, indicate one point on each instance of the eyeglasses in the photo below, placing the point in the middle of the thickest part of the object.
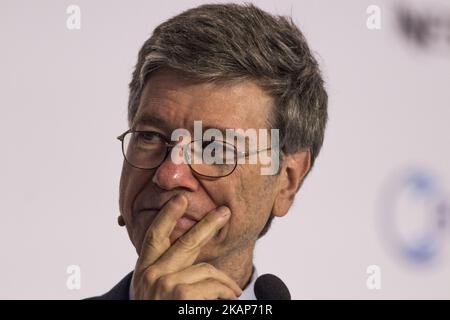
(147, 150)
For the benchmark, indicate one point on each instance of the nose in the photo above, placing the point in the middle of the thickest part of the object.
(170, 175)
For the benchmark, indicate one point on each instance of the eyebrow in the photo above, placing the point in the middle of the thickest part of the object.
(159, 122)
(151, 120)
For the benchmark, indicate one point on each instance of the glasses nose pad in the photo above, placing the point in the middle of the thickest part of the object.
(180, 153)
(186, 153)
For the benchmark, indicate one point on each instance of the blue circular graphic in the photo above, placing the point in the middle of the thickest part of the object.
(418, 191)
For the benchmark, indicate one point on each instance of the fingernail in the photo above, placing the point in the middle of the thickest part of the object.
(179, 198)
(223, 211)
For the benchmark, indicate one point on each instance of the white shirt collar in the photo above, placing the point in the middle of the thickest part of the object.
(247, 294)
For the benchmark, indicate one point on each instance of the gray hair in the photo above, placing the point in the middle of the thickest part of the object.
(233, 42)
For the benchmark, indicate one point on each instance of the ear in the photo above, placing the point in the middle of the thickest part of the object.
(294, 169)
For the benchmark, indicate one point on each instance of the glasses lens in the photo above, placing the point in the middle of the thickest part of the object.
(144, 150)
(211, 158)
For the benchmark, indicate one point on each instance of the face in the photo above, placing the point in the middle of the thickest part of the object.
(175, 102)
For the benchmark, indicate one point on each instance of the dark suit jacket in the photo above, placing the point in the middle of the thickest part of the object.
(119, 292)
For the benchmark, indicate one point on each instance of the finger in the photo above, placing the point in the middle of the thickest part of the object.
(157, 237)
(185, 250)
(200, 272)
(209, 289)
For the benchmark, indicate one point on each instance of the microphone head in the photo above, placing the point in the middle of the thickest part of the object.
(270, 287)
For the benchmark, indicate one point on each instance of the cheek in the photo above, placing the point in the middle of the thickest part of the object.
(244, 225)
(132, 181)
(246, 217)
(250, 205)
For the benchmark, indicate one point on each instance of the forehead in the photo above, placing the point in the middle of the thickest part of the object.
(171, 100)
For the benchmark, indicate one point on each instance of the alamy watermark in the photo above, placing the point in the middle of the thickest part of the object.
(247, 146)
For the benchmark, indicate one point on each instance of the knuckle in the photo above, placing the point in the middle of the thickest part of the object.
(154, 240)
(156, 244)
(181, 292)
(207, 268)
(151, 275)
(187, 243)
(164, 283)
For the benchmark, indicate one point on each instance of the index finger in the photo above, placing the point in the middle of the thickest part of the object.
(186, 249)
(156, 240)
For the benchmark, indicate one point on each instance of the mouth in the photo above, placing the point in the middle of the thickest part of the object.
(186, 221)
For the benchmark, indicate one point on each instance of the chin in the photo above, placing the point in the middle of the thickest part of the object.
(208, 256)
(212, 251)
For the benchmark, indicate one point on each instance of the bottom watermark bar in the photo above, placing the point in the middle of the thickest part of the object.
(221, 309)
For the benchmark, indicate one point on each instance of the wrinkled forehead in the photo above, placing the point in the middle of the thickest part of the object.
(170, 101)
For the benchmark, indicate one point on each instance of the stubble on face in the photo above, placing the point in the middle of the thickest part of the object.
(249, 195)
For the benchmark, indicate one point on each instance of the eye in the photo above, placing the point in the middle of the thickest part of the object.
(148, 137)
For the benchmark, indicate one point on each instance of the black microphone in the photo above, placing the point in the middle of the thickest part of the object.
(270, 287)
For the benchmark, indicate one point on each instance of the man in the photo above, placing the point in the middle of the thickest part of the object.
(194, 226)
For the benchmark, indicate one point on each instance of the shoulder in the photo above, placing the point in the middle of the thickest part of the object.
(119, 292)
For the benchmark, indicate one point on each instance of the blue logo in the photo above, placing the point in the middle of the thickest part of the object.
(414, 216)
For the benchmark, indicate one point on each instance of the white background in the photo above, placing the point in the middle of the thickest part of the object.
(63, 101)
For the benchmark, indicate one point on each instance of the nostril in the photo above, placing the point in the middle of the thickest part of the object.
(169, 176)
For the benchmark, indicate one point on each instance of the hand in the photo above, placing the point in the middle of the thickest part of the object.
(167, 272)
